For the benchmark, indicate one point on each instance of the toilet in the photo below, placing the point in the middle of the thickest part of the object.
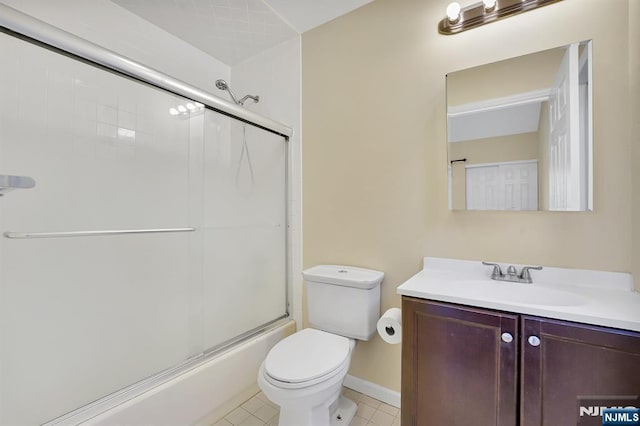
(303, 373)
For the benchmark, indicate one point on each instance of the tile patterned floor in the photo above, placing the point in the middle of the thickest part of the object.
(259, 411)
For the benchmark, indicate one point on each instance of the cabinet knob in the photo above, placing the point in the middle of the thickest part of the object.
(534, 340)
(507, 337)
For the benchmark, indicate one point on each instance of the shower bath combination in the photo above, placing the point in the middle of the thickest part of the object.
(222, 85)
(130, 250)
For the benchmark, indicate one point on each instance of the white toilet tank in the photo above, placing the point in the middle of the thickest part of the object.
(343, 300)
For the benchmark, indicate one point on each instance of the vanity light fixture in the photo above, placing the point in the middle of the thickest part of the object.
(461, 19)
(489, 5)
(453, 12)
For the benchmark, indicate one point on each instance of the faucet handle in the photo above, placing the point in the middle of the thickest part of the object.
(497, 271)
(525, 275)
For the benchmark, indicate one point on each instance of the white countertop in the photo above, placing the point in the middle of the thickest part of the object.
(589, 297)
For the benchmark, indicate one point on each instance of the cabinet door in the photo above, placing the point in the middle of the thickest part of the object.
(570, 360)
(456, 368)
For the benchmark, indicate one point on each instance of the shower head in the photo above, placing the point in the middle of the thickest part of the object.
(223, 85)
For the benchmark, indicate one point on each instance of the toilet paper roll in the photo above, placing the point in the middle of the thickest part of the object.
(390, 326)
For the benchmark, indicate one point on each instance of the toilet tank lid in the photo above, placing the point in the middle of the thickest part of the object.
(348, 276)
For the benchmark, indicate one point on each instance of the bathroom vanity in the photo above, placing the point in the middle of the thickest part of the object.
(481, 352)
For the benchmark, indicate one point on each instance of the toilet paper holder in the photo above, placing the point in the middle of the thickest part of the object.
(390, 326)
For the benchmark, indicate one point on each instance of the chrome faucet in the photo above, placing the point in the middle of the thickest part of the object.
(512, 274)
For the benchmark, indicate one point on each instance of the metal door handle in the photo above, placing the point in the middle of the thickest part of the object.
(10, 182)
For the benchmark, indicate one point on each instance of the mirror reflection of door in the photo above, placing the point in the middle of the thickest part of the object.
(503, 186)
(523, 128)
(568, 176)
(563, 154)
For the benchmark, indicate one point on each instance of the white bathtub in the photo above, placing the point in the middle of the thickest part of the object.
(200, 396)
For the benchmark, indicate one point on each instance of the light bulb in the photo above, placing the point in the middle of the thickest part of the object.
(173, 111)
(199, 105)
(181, 108)
(489, 4)
(190, 106)
(453, 11)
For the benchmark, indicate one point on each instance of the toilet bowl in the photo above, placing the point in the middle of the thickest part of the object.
(304, 372)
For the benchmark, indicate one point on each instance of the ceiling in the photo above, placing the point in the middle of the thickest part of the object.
(235, 30)
(494, 122)
(304, 15)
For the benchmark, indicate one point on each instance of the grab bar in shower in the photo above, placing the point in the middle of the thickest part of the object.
(29, 235)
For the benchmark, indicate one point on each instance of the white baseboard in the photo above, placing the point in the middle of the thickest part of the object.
(373, 390)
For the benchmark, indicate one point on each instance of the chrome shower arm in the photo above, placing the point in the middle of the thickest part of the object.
(255, 99)
(233, 97)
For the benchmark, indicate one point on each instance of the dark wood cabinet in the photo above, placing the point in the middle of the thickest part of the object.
(459, 368)
(456, 369)
(573, 360)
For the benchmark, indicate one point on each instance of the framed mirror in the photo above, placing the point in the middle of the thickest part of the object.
(519, 133)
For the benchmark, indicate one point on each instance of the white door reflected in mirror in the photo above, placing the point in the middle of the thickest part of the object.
(519, 133)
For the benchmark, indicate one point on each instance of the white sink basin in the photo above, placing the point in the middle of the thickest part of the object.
(584, 296)
(529, 294)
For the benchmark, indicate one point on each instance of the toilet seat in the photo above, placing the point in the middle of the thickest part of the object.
(305, 358)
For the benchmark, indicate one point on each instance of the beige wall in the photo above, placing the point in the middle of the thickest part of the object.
(458, 186)
(504, 78)
(496, 150)
(375, 157)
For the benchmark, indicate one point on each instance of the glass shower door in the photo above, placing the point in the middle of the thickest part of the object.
(244, 229)
(155, 233)
(84, 315)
